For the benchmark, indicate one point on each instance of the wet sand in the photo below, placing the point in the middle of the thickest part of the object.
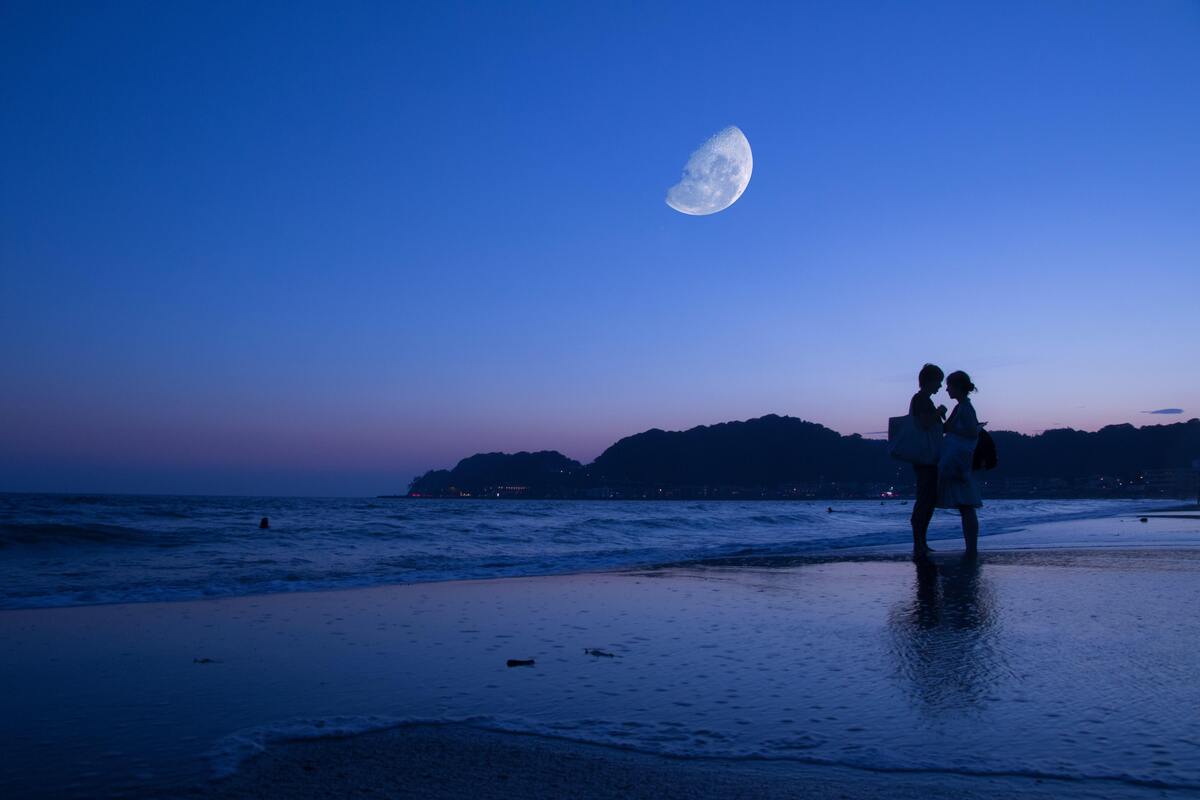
(461, 762)
(1068, 670)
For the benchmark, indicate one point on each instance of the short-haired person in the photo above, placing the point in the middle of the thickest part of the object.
(956, 484)
(926, 417)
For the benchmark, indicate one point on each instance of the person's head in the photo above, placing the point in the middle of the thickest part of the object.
(930, 378)
(959, 385)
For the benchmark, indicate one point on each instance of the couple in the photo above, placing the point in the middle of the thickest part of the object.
(950, 483)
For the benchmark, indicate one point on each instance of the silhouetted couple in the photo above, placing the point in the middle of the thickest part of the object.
(949, 482)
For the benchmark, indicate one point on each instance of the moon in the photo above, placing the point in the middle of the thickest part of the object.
(715, 176)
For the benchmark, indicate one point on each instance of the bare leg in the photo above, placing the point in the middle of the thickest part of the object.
(970, 525)
(920, 527)
(923, 504)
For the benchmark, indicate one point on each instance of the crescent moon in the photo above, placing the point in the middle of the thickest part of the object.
(715, 176)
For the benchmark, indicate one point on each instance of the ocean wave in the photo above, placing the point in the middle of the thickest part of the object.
(158, 549)
(658, 738)
(233, 750)
(51, 533)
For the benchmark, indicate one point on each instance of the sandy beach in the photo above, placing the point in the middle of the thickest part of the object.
(1058, 669)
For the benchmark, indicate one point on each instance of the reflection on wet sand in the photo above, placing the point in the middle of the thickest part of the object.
(946, 637)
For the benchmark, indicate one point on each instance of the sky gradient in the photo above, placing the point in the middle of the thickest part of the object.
(309, 249)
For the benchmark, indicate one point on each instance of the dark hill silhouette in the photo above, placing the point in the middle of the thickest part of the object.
(539, 474)
(1112, 450)
(765, 451)
(774, 456)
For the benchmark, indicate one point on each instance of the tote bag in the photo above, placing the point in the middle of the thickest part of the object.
(908, 441)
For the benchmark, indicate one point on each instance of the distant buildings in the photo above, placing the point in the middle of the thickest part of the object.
(1168, 483)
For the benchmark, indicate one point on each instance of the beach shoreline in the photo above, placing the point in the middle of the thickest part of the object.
(846, 675)
(450, 760)
(454, 761)
(114, 550)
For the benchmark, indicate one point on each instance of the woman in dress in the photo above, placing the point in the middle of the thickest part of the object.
(957, 487)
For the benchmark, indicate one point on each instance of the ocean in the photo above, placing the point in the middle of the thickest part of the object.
(1060, 655)
(67, 550)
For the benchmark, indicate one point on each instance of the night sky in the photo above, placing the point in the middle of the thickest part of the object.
(319, 248)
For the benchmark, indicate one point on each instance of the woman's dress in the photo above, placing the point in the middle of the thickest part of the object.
(957, 486)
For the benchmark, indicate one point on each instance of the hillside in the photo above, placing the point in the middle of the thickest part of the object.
(780, 457)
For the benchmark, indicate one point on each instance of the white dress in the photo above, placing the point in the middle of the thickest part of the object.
(956, 480)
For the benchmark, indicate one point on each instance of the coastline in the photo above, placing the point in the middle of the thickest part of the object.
(455, 761)
(462, 759)
(166, 551)
(770, 674)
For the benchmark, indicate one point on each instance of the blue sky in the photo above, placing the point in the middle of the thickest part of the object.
(319, 248)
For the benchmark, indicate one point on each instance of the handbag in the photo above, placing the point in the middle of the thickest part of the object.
(908, 441)
(985, 451)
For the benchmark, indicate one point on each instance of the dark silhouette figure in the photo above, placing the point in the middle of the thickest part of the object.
(927, 418)
(266, 523)
(944, 639)
(957, 486)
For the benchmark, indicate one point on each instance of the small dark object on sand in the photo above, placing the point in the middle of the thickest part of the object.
(205, 661)
(266, 523)
(1143, 519)
(829, 510)
(520, 662)
(592, 651)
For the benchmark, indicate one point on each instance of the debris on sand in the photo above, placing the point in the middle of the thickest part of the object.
(592, 651)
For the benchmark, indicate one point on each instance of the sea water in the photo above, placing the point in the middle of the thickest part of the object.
(63, 550)
(1052, 664)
